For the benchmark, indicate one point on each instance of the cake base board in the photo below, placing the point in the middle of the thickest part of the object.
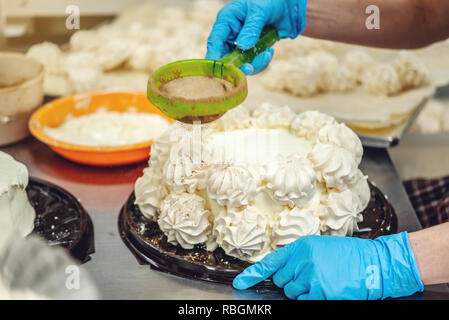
(149, 245)
(61, 219)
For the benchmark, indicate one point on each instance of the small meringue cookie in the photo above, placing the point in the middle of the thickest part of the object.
(308, 123)
(357, 61)
(336, 166)
(50, 55)
(381, 79)
(412, 73)
(293, 224)
(304, 78)
(337, 78)
(269, 116)
(340, 135)
(242, 233)
(114, 52)
(184, 220)
(232, 185)
(323, 58)
(290, 180)
(150, 191)
(274, 77)
(341, 213)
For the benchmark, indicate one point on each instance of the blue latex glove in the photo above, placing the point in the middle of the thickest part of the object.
(241, 22)
(332, 267)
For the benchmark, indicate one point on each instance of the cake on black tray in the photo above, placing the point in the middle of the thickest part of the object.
(217, 197)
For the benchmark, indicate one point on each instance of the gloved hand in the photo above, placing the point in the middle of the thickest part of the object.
(241, 22)
(332, 267)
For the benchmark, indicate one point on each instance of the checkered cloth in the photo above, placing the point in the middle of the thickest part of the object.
(430, 198)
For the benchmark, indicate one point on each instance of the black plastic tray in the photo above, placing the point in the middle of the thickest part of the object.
(61, 219)
(148, 244)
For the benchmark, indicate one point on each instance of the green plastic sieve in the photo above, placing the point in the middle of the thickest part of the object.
(228, 69)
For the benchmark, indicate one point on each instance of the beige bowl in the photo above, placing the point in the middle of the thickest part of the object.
(21, 92)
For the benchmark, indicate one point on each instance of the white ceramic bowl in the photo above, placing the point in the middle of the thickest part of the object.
(21, 92)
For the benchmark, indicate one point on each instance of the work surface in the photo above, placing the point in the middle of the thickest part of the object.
(103, 191)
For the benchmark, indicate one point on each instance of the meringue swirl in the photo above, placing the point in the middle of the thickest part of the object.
(187, 166)
(242, 233)
(342, 214)
(271, 117)
(150, 191)
(362, 190)
(160, 148)
(290, 180)
(232, 185)
(336, 166)
(235, 119)
(308, 123)
(293, 224)
(184, 220)
(340, 135)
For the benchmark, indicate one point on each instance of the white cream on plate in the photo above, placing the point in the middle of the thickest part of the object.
(109, 128)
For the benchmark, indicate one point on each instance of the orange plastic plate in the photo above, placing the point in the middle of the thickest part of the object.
(53, 114)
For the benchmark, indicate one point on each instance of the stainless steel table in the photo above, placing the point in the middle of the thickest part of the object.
(103, 191)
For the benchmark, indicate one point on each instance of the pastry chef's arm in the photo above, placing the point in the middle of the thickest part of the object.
(404, 24)
(431, 249)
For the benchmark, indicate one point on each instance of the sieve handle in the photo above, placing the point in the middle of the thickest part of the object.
(238, 57)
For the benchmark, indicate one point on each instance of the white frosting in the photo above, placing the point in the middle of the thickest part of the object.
(293, 224)
(291, 180)
(242, 233)
(335, 165)
(234, 119)
(16, 212)
(184, 220)
(232, 185)
(341, 213)
(255, 146)
(150, 191)
(342, 136)
(271, 116)
(307, 124)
